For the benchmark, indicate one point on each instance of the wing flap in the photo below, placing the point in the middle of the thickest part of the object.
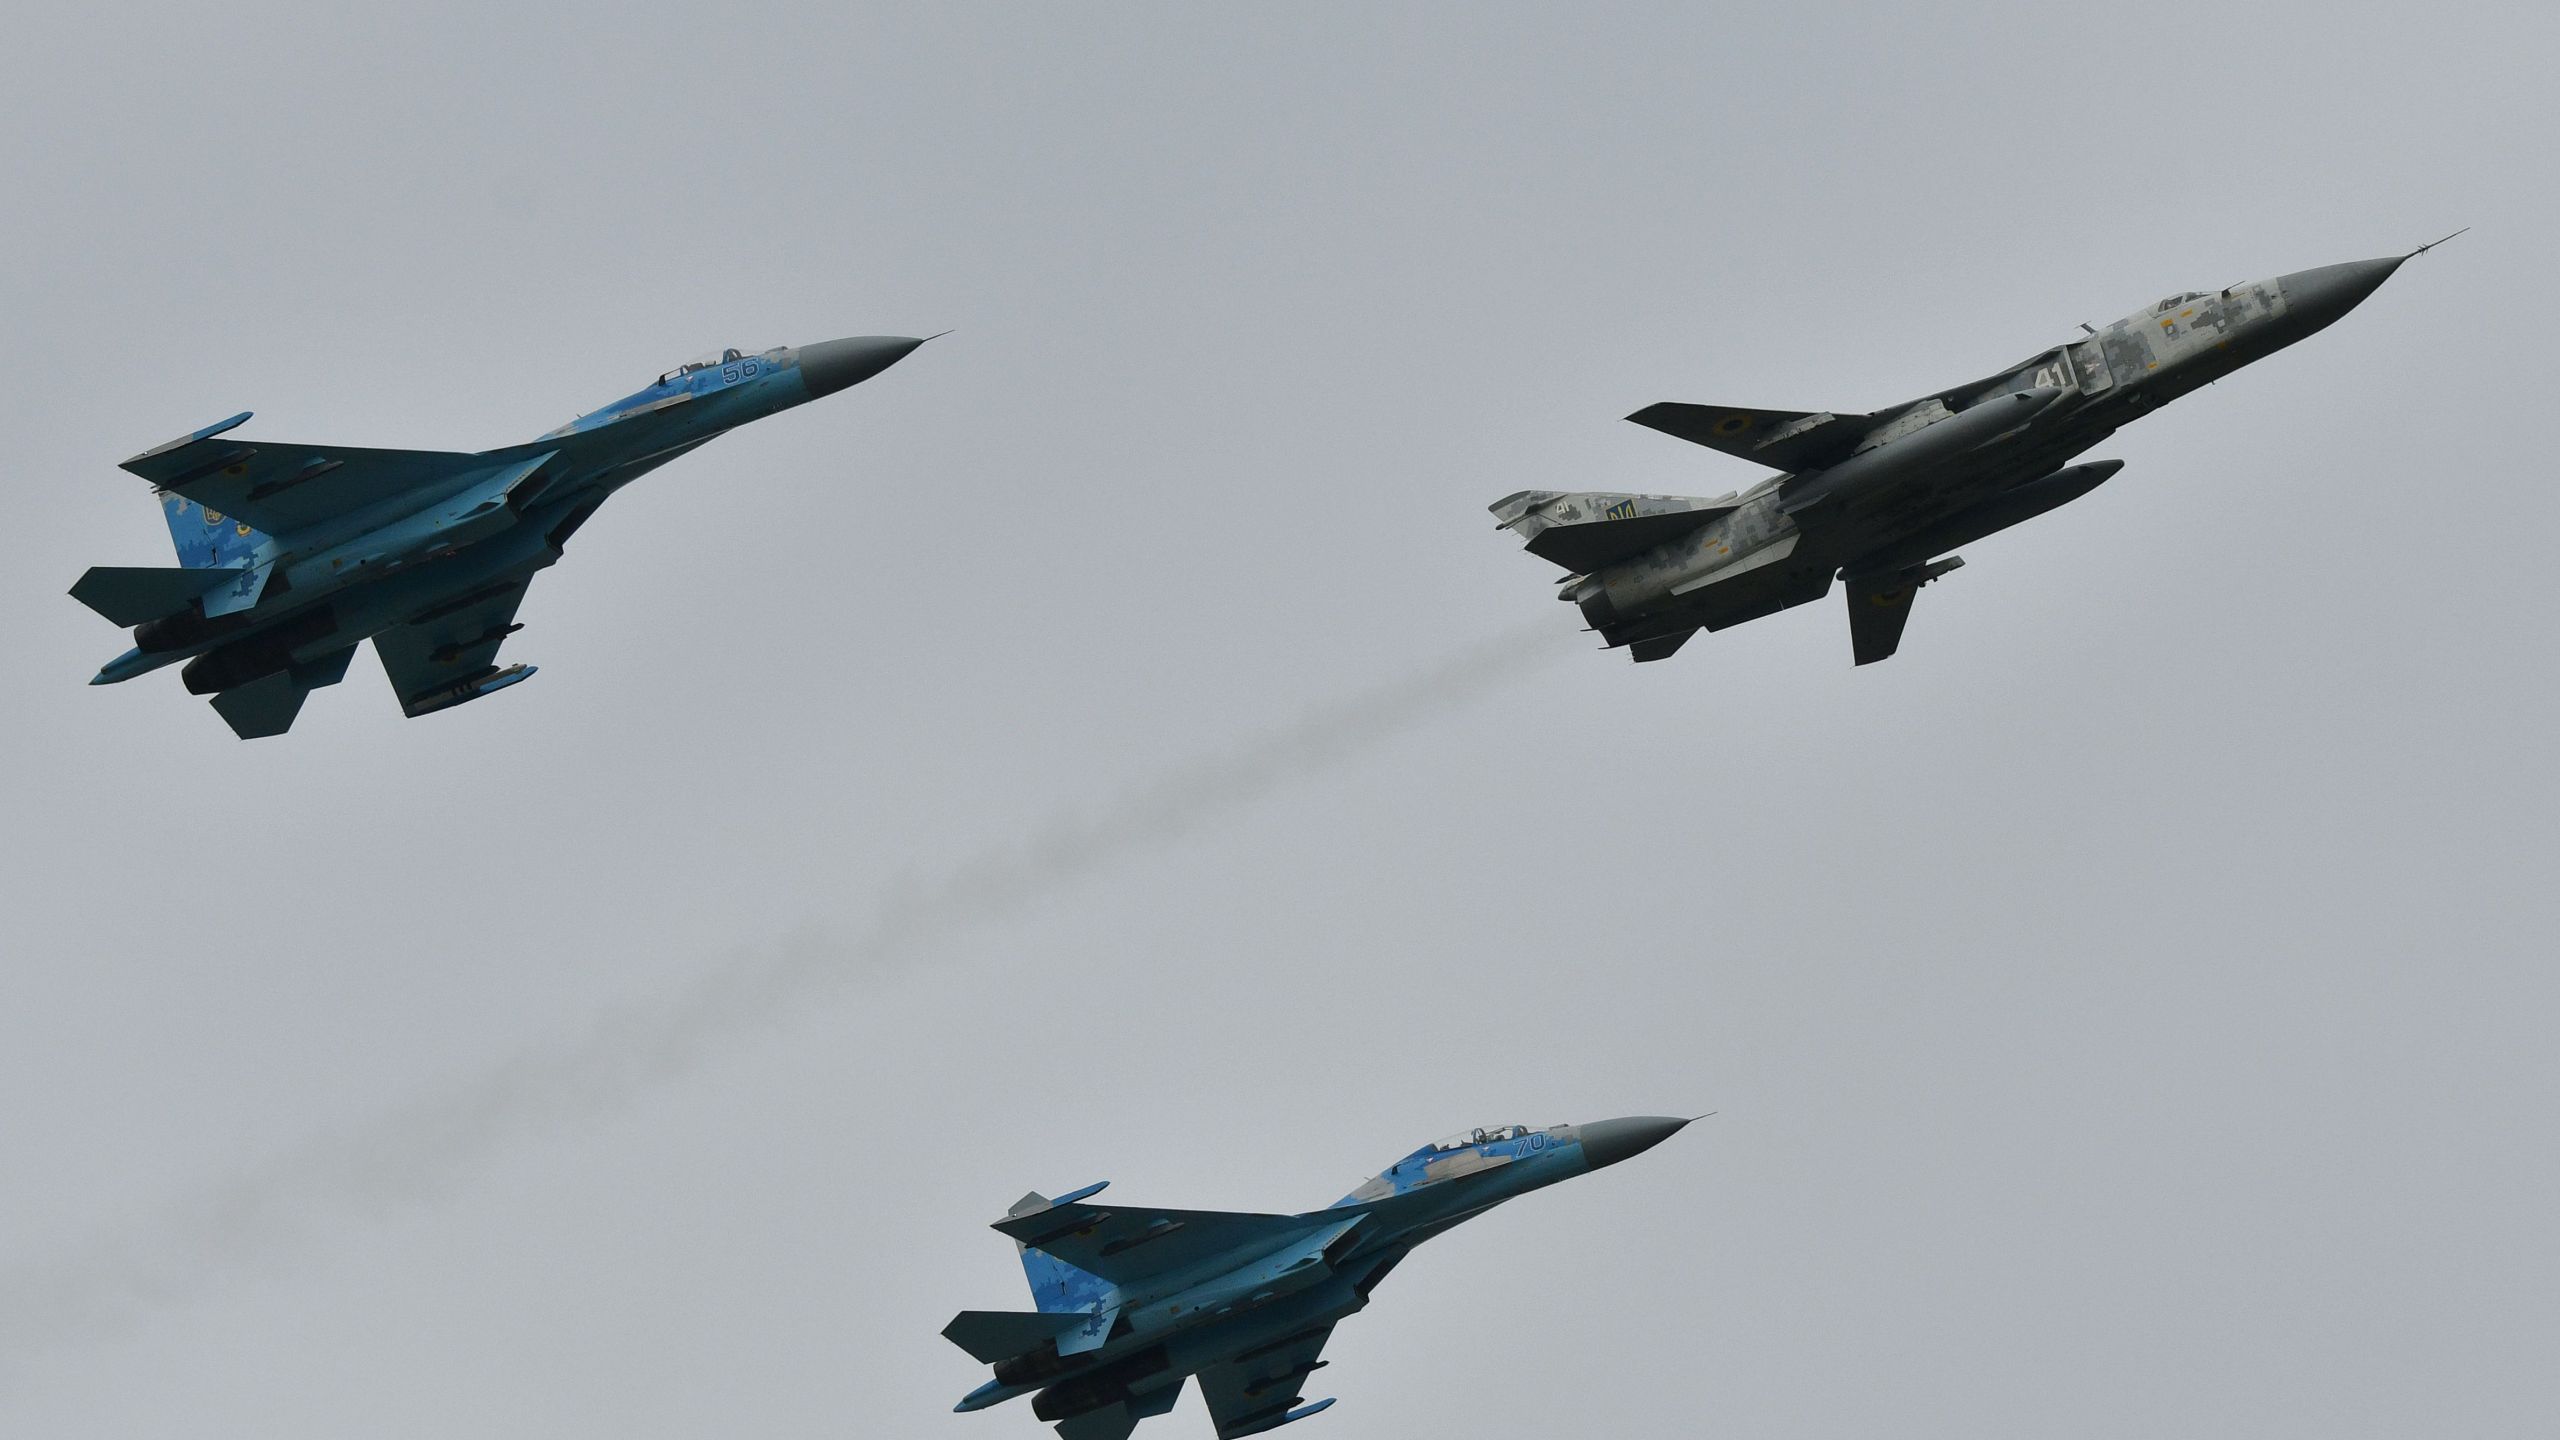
(132, 594)
(1585, 530)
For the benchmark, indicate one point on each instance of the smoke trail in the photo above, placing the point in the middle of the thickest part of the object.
(411, 1154)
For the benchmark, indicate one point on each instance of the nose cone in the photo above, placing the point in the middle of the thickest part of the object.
(2313, 299)
(833, 365)
(1606, 1142)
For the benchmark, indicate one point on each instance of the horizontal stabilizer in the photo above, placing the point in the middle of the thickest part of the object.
(1584, 531)
(993, 1335)
(1661, 647)
(132, 594)
(1779, 439)
(1111, 1422)
(263, 707)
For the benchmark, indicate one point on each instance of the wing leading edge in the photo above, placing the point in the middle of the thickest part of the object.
(1126, 1244)
(1779, 439)
(278, 487)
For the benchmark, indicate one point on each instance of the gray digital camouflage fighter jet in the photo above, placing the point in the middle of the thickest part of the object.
(1874, 500)
(1133, 1301)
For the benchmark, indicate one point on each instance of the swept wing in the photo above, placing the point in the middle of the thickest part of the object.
(1259, 1389)
(1779, 439)
(435, 658)
(278, 487)
(1127, 1244)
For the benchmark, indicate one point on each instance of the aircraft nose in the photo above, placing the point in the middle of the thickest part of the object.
(832, 365)
(1606, 1142)
(2313, 299)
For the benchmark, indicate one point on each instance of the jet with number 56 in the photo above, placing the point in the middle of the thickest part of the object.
(291, 555)
(1877, 501)
(1134, 1301)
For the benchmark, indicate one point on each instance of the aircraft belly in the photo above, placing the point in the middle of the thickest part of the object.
(1888, 513)
(1877, 519)
(367, 606)
(1209, 1339)
(1210, 1343)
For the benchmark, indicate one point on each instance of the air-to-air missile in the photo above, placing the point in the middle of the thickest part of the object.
(1133, 1302)
(292, 555)
(1875, 500)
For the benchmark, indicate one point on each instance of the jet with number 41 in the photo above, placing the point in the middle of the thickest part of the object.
(1877, 500)
(1133, 1302)
(292, 555)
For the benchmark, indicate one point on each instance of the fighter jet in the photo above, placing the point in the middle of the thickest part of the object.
(1132, 1302)
(291, 555)
(1875, 500)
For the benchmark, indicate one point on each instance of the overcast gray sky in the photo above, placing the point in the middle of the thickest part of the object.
(2129, 1009)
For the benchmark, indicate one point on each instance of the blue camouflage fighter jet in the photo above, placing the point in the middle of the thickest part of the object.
(292, 555)
(1135, 1301)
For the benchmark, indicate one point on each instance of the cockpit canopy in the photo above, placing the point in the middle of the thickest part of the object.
(703, 361)
(2174, 301)
(1484, 1135)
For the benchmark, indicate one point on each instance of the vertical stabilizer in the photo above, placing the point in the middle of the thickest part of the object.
(207, 539)
(1055, 1284)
